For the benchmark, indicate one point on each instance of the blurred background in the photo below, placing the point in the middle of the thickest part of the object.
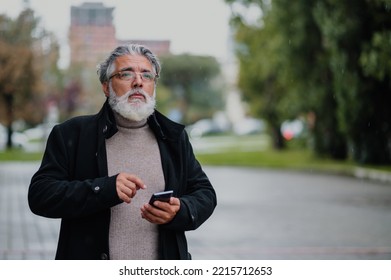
(310, 75)
(299, 85)
(50, 51)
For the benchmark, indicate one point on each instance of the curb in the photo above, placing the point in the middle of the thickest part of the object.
(372, 174)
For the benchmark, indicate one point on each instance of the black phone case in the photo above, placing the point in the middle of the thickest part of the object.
(161, 196)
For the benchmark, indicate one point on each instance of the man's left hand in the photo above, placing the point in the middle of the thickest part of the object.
(161, 212)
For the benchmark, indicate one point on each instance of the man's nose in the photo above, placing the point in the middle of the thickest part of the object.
(138, 81)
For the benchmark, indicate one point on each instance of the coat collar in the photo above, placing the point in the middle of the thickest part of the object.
(163, 127)
(106, 121)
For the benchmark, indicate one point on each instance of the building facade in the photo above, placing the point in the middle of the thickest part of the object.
(92, 35)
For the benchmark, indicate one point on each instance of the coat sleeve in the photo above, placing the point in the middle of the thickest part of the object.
(198, 198)
(53, 193)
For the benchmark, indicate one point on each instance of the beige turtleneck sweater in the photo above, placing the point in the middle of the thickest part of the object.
(134, 149)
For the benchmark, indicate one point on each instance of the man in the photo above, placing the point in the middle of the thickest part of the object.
(98, 172)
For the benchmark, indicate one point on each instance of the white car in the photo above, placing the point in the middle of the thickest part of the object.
(249, 126)
(203, 127)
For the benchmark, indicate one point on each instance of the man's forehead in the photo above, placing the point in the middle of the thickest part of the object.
(135, 62)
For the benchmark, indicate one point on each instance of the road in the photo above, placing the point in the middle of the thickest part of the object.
(261, 214)
(269, 214)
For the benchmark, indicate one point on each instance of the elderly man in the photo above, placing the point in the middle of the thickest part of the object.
(99, 172)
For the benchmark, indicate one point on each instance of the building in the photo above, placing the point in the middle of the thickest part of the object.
(158, 47)
(92, 35)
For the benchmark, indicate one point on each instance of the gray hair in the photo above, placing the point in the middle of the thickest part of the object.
(106, 68)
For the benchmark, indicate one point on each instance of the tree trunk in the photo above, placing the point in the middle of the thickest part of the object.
(278, 139)
(9, 102)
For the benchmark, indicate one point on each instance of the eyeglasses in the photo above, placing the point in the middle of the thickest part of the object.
(127, 75)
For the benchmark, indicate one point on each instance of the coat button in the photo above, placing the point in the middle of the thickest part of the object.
(105, 129)
(97, 189)
(104, 256)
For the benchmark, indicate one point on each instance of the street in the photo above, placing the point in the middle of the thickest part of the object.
(269, 214)
(261, 214)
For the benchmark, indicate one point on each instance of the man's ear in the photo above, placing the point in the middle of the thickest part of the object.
(105, 88)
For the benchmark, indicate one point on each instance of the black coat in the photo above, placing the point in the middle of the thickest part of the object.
(72, 183)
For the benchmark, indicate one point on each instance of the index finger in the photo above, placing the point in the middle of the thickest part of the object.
(136, 180)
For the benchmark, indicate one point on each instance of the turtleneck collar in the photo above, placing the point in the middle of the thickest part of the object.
(123, 122)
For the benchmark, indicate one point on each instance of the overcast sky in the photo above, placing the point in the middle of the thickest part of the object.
(193, 26)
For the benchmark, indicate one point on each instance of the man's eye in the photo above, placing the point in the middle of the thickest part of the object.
(147, 76)
(126, 75)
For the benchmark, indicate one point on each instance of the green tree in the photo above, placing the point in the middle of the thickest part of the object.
(25, 49)
(258, 77)
(16, 59)
(193, 83)
(329, 58)
(357, 38)
(281, 67)
(308, 78)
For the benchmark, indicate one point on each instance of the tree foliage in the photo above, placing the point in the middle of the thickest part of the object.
(28, 55)
(192, 81)
(324, 57)
(360, 36)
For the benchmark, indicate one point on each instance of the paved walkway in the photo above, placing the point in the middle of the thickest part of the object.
(274, 215)
(23, 235)
(261, 214)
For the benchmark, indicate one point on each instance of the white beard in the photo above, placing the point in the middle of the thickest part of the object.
(134, 110)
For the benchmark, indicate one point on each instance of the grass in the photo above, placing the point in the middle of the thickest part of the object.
(299, 159)
(252, 151)
(19, 155)
(294, 157)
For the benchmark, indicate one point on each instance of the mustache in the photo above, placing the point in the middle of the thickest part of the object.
(135, 91)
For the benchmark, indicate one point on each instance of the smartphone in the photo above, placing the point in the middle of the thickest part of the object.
(161, 196)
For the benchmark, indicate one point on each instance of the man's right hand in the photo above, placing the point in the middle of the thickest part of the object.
(127, 186)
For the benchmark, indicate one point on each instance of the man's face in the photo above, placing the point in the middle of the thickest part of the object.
(131, 88)
(137, 64)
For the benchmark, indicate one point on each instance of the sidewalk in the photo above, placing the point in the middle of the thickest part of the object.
(261, 214)
(23, 235)
(373, 174)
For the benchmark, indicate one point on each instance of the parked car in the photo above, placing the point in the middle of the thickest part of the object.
(207, 127)
(39, 132)
(249, 126)
(203, 127)
(292, 129)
